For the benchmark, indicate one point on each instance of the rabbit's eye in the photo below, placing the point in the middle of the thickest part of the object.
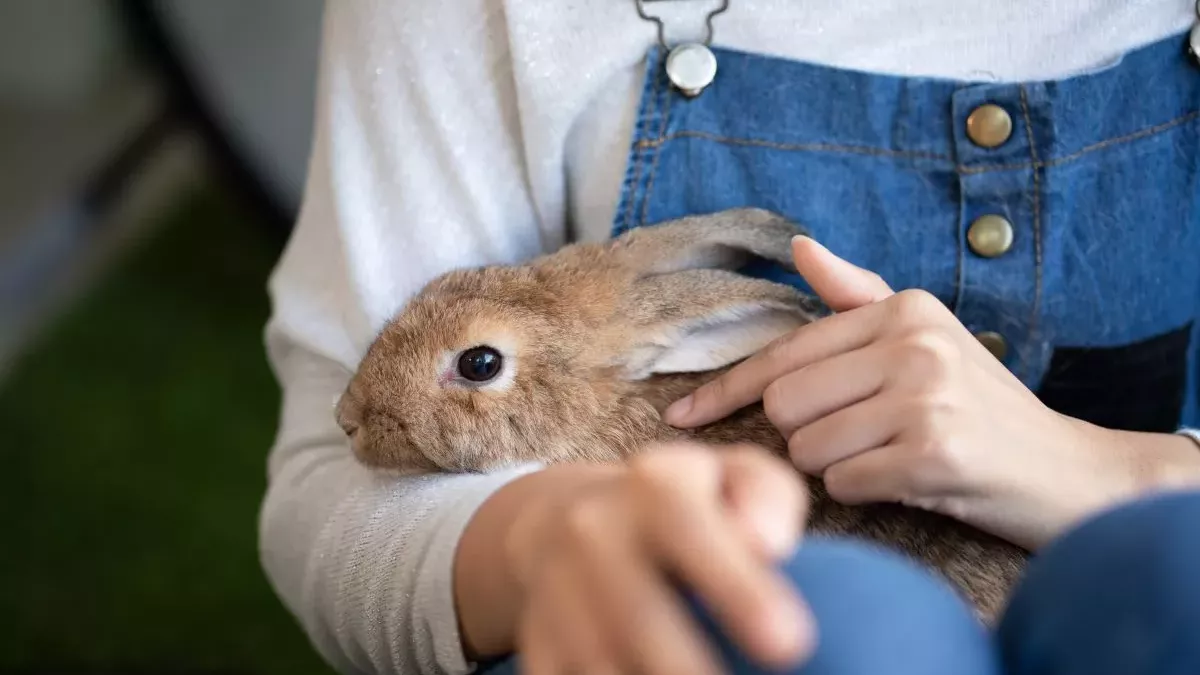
(479, 364)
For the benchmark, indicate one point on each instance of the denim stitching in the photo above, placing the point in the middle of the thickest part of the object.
(960, 229)
(993, 168)
(662, 131)
(1037, 221)
(1137, 135)
(796, 147)
(637, 165)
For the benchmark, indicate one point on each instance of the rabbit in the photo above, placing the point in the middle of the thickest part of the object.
(574, 355)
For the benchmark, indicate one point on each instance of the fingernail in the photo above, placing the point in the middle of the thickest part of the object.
(804, 237)
(786, 634)
(798, 631)
(677, 412)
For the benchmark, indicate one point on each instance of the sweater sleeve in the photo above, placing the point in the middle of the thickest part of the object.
(416, 167)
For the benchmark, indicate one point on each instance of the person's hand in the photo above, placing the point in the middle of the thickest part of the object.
(891, 399)
(603, 570)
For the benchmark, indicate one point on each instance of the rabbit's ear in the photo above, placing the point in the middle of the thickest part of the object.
(700, 320)
(722, 240)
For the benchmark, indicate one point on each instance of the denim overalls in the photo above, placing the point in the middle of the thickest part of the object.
(1058, 220)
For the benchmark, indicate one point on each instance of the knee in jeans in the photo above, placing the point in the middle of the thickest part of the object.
(1118, 594)
(1152, 535)
(878, 612)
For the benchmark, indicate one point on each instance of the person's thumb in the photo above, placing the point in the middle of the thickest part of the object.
(840, 284)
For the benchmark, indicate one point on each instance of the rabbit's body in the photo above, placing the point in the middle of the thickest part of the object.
(574, 356)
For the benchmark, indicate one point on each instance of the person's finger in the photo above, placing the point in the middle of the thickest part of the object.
(647, 626)
(536, 650)
(859, 428)
(699, 543)
(769, 505)
(568, 621)
(643, 623)
(822, 388)
(885, 474)
(744, 383)
(841, 285)
(662, 636)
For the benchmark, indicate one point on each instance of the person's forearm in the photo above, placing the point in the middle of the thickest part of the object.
(1167, 461)
(487, 593)
(1116, 467)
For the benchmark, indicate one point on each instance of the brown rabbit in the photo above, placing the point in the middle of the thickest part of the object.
(574, 355)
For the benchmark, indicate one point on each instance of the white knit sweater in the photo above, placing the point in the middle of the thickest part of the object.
(461, 132)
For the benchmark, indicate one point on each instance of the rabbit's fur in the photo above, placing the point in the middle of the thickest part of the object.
(596, 340)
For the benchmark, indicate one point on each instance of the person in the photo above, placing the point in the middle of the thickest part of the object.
(1003, 203)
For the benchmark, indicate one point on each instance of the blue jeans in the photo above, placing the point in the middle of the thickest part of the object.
(1118, 595)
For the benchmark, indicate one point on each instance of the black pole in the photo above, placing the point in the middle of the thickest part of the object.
(154, 44)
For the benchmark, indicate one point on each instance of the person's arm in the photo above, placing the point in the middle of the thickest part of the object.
(416, 167)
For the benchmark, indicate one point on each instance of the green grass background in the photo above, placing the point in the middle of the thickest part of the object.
(135, 436)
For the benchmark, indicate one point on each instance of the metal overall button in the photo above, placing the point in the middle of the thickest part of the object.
(989, 126)
(990, 236)
(691, 67)
(994, 343)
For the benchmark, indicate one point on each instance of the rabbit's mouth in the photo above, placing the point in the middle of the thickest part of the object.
(390, 455)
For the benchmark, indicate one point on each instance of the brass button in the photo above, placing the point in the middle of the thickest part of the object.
(994, 342)
(990, 236)
(989, 126)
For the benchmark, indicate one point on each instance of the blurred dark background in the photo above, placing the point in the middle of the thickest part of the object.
(152, 156)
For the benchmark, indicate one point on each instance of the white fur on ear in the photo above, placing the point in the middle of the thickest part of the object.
(717, 340)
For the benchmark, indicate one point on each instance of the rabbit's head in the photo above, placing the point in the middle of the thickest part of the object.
(499, 365)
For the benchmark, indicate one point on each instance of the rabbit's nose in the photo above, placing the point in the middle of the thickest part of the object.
(349, 427)
(348, 415)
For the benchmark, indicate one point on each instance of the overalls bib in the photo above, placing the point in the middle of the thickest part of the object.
(1060, 225)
